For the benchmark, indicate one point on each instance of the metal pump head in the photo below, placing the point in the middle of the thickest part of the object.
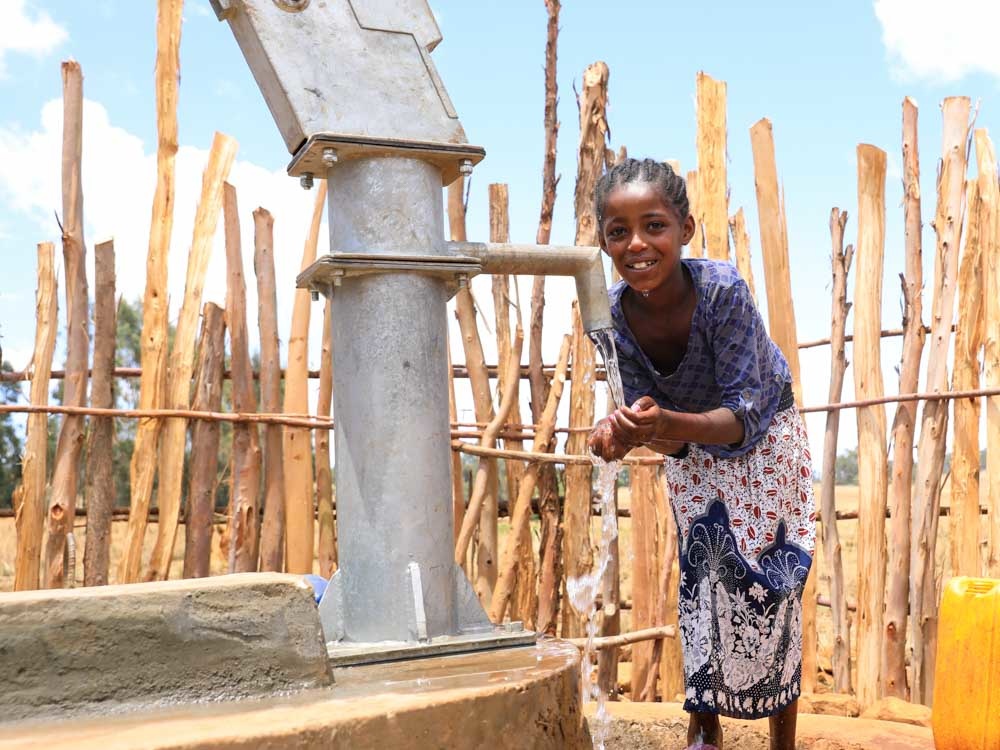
(352, 75)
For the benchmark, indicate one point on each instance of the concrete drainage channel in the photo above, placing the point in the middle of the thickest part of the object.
(240, 661)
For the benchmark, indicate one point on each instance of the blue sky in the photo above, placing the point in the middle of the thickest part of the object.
(828, 75)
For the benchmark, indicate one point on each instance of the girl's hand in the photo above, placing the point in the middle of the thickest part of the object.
(603, 443)
(644, 423)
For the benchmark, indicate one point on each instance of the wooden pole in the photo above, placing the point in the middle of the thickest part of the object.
(964, 524)
(539, 387)
(831, 537)
(741, 241)
(897, 599)
(781, 322)
(457, 486)
(324, 477)
(550, 542)
(66, 474)
(100, 492)
(272, 535)
(990, 233)
(672, 661)
(578, 553)
(872, 480)
(296, 444)
(29, 497)
(713, 189)
(593, 106)
(245, 472)
(171, 464)
(152, 384)
(479, 380)
(521, 510)
(646, 566)
(696, 247)
(488, 440)
(934, 418)
(204, 445)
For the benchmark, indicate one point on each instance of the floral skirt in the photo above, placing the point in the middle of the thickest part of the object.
(747, 535)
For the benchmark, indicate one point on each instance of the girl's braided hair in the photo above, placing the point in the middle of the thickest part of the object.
(670, 185)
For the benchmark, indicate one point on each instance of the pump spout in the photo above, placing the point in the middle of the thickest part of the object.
(584, 264)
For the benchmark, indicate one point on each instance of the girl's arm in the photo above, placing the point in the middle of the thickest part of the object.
(646, 423)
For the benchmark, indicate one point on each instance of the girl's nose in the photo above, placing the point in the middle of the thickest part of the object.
(636, 243)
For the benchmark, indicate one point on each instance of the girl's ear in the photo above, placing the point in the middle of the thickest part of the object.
(688, 229)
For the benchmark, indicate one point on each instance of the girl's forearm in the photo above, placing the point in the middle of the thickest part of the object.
(716, 427)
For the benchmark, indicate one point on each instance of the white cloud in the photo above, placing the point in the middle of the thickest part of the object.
(928, 39)
(20, 32)
(119, 176)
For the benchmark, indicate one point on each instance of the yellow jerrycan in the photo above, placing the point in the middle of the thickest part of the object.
(966, 710)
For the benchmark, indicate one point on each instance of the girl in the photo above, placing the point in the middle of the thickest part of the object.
(712, 392)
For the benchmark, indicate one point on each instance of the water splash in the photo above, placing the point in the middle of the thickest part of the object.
(604, 340)
(583, 591)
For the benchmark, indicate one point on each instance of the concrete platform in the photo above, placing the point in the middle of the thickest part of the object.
(110, 649)
(513, 698)
(653, 726)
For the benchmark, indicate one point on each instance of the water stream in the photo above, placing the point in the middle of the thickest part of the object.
(584, 589)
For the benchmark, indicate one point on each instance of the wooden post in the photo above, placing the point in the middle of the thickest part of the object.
(964, 521)
(646, 567)
(741, 241)
(934, 418)
(696, 247)
(100, 461)
(897, 599)
(520, 512)
(296, 445)
(781, 322)
(713, 190)
(171, 465)
(245, 472)
(872, 480)
(29, 497)
(457, 486)
(593, 106)
(672, 661)
(204, 445)
(324, 478)
(488, 440)
(578, 553)
(152, 383)
(990, 233)
(65, 476)
(272, 535)
(479, 380)
(539, 387)
(831, 537)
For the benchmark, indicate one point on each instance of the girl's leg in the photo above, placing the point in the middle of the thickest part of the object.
(783, 727)
(705, 727)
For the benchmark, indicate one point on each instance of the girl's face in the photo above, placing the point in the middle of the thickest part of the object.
(643, 235)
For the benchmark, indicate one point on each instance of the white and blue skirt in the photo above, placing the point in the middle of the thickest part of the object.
(747, 536)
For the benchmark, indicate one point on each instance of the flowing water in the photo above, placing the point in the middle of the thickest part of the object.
(584, 589)
(604, 340)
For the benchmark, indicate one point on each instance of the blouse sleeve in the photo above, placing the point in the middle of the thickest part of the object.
(743, 359)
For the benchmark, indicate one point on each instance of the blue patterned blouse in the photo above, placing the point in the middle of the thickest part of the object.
(730, 359)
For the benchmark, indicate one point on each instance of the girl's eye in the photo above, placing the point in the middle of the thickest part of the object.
(656, 225)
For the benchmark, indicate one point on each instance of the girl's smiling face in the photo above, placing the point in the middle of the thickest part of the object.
(644, 235)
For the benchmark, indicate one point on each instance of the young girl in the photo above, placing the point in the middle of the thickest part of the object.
(711, 391)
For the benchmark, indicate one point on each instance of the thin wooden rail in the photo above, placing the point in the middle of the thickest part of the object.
(636, 636)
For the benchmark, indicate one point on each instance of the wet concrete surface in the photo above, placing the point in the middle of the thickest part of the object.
(524, 697)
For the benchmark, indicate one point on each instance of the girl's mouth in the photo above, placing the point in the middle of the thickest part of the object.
(641, 265)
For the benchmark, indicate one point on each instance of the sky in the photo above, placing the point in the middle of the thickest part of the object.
(828, 75)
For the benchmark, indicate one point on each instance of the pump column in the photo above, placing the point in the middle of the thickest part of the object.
(391, 404)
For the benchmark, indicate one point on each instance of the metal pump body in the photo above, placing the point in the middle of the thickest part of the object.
(357, 99)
